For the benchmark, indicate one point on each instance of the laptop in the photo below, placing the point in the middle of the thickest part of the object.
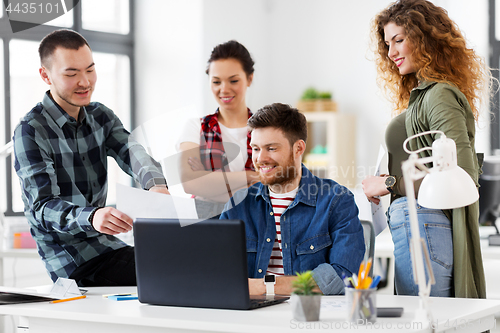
(201, 264)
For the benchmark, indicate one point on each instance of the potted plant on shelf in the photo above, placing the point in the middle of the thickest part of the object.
(313, 100)
(306, 303)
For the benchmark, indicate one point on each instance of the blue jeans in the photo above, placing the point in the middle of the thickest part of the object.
(435, 229)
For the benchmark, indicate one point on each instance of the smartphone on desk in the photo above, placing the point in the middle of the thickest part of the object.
(389, 312)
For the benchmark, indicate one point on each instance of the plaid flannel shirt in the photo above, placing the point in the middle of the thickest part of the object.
(62, 169)
(212, 153)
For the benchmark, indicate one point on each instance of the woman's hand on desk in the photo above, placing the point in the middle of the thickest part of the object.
(374, 186)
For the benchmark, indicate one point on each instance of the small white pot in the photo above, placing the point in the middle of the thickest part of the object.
(305, 308)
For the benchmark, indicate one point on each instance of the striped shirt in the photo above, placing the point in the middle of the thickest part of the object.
(280, 202)
(62, 169)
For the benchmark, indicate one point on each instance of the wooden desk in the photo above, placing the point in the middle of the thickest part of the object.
(96, 314)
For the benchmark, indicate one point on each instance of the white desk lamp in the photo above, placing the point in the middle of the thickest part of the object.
(445, 186)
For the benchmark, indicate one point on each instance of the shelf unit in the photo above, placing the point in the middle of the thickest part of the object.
(337, 132)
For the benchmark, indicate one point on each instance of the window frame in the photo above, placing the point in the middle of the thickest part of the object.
(105, 42)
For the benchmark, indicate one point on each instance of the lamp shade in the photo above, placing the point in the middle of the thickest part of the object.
(447, 185)
(447, 189)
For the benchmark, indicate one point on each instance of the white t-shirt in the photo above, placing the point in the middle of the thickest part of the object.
(230, 136)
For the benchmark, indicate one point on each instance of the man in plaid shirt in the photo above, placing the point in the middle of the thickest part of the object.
(61, 148)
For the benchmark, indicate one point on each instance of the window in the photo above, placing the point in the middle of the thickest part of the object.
(26, 90)
(108, 31)
(111, 16)
(113, 78)
(63, 21)
(26, 86)
(3, 135)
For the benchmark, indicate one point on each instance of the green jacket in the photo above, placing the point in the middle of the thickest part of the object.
(441, 106)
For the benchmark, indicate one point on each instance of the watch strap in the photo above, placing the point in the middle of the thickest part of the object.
(270, 281)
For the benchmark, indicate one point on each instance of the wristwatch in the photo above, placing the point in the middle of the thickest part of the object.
(270, 281)
(390, 181)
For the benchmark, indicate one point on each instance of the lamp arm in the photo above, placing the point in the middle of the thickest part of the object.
(421, 162)
(7, 149)
(405, 143)
(410, 175)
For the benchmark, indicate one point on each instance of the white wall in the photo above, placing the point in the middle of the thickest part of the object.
(168, 55)
(169, 73)
(472, 18)
(295, 44)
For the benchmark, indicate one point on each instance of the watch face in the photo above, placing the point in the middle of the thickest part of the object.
(390, 181)
(269, 278)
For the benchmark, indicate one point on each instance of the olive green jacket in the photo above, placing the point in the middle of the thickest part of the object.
(441, 106)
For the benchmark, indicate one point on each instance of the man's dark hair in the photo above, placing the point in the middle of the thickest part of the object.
(232, 50)
(289, 120)
(64, 38)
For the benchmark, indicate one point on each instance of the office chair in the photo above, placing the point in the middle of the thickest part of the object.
(489, 195)
(369, 234)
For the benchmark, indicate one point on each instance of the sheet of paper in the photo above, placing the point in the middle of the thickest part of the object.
(139, 203)
(65, 288)
(378, 213)
(328, 304)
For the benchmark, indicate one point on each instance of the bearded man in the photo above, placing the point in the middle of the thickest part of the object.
(294, 221)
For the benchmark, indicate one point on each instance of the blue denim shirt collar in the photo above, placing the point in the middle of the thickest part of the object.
(303, 195)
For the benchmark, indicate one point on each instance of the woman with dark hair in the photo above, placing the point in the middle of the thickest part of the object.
(436, 83)
(216, 158)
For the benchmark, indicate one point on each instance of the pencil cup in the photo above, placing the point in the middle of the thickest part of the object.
(361, 305)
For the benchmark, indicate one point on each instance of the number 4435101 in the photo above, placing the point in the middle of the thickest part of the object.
(33, 8)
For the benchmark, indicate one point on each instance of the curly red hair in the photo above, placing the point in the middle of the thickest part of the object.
(439, 53)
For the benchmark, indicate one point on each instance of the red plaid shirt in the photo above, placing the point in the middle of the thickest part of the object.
(212, 153)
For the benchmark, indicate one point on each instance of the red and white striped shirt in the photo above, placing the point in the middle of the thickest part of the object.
(280, 202)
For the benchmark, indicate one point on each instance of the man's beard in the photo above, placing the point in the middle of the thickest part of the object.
(283, 173)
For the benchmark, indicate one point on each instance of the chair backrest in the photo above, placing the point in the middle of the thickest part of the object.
(369, 234)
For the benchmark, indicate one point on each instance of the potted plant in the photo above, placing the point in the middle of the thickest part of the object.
(306, 303)
(314, 100)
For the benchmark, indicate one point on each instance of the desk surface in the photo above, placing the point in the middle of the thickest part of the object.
(95, 313)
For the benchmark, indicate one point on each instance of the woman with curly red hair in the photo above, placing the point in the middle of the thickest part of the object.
(435, 83)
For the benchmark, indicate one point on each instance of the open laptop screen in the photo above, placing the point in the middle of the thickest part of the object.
(203, 264)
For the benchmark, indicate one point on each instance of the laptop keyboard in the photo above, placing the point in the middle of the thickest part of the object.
(259, 303)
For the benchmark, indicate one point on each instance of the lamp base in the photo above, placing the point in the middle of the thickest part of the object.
(422, 316)
(494, 240)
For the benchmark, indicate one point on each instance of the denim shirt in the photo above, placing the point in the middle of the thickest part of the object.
(320, 231)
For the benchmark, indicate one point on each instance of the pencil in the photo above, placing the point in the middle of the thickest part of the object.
(67, 299)
(368, 267)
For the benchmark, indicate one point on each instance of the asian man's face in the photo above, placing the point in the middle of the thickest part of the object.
(71, 76)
